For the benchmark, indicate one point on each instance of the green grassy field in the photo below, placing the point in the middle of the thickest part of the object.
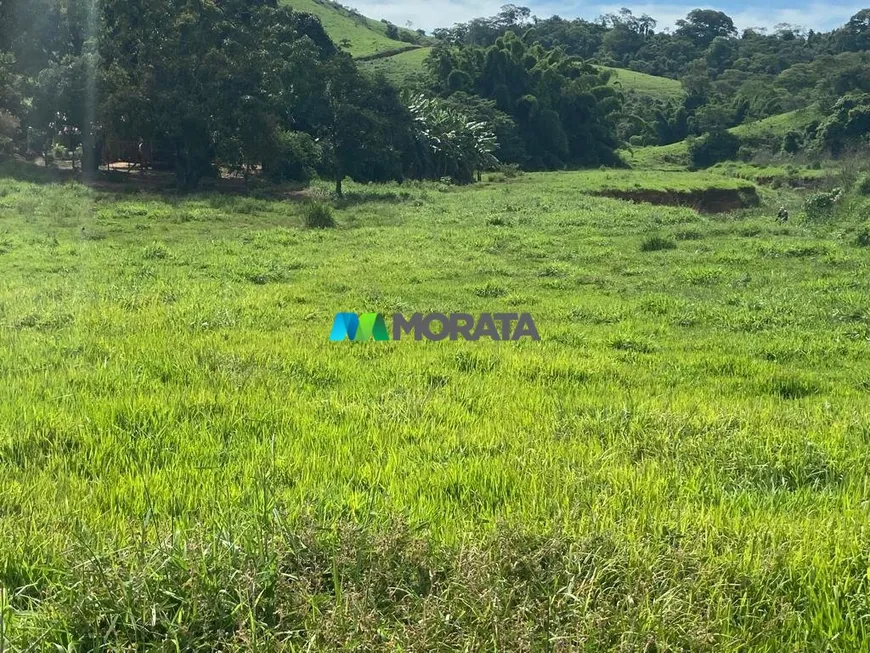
(401, 68)
(366, 36)
(675, 156)
(660, 88)
(779, 124)
(188, 464)
(792, 174)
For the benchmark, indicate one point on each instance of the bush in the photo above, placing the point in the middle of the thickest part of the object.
(293, 157)
(821, 205)
(791, 142)
(712, 148)
(863, 239)
(657, 243)
(862, 186)
(318, 216)
(746, 153)
(510, 170)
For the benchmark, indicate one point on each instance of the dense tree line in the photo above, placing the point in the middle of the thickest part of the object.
(552, 110)
(242, 86)
(253, 88)
(729, 77)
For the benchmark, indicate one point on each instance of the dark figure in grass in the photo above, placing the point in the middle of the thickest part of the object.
(782, 216)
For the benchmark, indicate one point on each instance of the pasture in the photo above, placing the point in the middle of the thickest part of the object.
(358, 35)
(186, 462)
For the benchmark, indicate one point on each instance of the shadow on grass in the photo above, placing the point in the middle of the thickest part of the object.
(35, 174)
(154, 182)
(355, 199)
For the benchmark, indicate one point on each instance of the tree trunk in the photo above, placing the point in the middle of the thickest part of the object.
(338, 179)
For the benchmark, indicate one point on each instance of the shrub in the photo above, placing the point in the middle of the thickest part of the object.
(821, 205)
(791, 142)
(862, 186)
(318, 216)
(746, 153)
(656, 243)
(863, 239)
(712, 148)
(510, 170)
(293, 157)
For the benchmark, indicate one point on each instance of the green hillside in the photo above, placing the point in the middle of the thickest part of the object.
(365, 35)
(368, 37)
(406, 65)
(675, 155)
(661, 88)
(400, 68)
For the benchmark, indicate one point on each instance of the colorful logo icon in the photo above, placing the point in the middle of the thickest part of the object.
(363, 328)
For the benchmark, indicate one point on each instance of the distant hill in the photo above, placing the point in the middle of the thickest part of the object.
(366, 37)
(400, 68)
(660, 88)
(675, 155)
(402, 60)
(404, 66)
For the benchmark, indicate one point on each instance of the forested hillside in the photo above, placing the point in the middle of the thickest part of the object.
(729, 77)
(355, 33)
(283, 91)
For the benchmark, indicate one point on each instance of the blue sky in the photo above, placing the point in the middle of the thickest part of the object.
(440, 13)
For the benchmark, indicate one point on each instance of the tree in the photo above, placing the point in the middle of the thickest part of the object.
(855, 35)
(11, 85)
(356, 126)
(847, 123)
(212, 85)
(563, 109)
(454, 145)
(701, 26)
(713, 147)
(720, 54)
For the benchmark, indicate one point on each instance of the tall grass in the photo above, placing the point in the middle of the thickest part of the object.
(188, 464)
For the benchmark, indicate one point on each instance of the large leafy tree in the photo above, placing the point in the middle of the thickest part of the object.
(855, 35)
(453, 144)
(563, 109)
(701, 26)
(359, 124)
(10, 103)
(214, 83)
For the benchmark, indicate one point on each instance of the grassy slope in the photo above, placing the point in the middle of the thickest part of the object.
(596, 180)
(402, 67)
(661, 88)
(366, 36)
(674, 156)
(685, 454)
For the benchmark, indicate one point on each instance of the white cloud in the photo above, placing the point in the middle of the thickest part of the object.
(817, 16)
(426, 15)
(443, 13)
